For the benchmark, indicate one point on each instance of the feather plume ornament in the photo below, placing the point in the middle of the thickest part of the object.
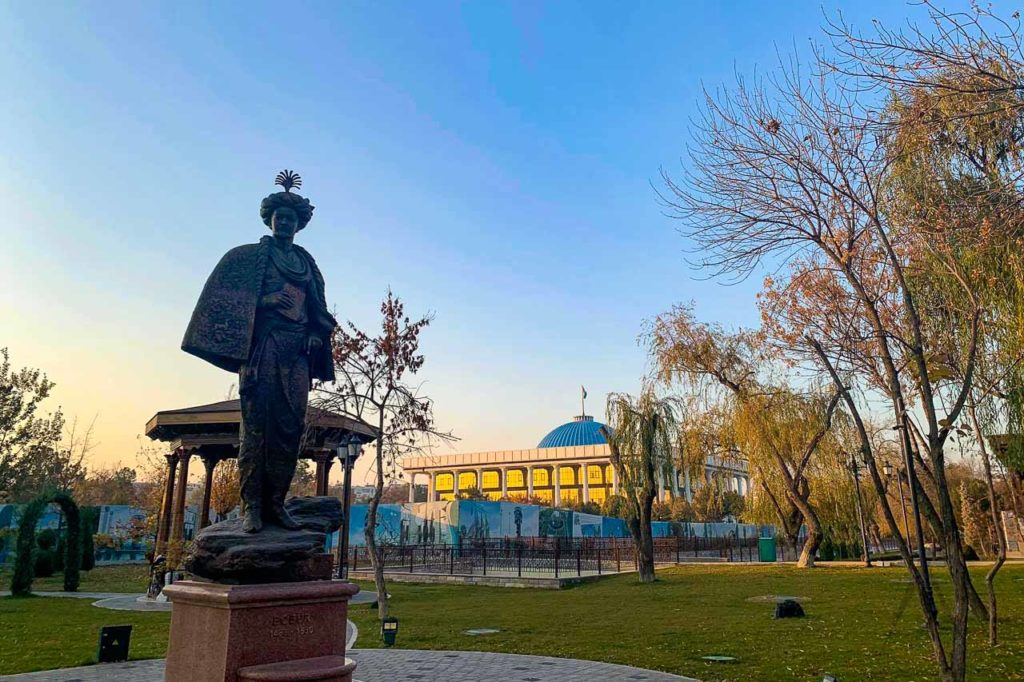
(288, 179)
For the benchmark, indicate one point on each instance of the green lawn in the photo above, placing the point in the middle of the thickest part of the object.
(122, 578)
(860, 625)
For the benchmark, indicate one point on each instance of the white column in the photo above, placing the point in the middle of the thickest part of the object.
(503, 473)
(661, 484)
(455, 483)
(675, 483)
(412, 487)
(687, 488)
(586, 481)
(480, 480)
(529, 481)
(557, 498)
(615, 481)
(430, 486)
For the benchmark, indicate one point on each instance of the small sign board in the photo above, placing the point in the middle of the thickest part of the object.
(114, 641)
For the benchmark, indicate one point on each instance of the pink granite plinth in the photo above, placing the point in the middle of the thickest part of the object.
(217, 630)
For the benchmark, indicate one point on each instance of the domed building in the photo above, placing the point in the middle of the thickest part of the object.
(570, 464)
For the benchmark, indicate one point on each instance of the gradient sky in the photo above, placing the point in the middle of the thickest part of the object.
(490, 162)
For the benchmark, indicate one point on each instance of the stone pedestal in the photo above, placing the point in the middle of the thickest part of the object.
(270, 632)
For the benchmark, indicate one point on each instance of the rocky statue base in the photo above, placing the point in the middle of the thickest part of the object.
(225, 553)
(274, 632)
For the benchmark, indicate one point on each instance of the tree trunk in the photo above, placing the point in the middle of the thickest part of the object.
(643, 543)
(993, 623)
(814, 532)
(371, 538)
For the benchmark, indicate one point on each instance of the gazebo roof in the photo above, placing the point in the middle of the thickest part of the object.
(222, 419)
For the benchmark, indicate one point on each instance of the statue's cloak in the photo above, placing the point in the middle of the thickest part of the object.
(224, 318)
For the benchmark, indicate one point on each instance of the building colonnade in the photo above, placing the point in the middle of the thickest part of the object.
(558, 483)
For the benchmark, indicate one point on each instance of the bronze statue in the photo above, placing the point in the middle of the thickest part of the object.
(263, 314)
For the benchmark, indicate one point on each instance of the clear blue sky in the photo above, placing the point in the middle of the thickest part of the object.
(490, 162)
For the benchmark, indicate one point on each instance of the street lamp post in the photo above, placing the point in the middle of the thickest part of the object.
(908, 463)
(348, 453)
(860, 511)
(889, 470)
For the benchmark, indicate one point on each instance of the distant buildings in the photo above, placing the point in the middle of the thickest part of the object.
(570, 464)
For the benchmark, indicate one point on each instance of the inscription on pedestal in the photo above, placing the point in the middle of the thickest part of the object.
(291, 625)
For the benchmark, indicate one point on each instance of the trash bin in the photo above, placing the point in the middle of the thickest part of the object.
(766, 549)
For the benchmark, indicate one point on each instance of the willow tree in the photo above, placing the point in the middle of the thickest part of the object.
(778, 430)
(644, 431)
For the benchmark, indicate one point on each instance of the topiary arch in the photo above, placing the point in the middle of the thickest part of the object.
(24, 567)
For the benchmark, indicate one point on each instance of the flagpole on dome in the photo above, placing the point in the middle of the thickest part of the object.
(583, 402)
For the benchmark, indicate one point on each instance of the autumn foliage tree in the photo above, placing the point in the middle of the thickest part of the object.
(777, 430)
(877, 284)
(374, 383)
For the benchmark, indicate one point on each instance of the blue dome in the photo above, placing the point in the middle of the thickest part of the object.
(580, 431)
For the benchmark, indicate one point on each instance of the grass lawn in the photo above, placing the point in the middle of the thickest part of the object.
(860, 625)
(121, 578)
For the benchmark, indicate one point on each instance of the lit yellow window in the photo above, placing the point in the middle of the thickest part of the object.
(545, 495)
(467, 480)
(491, 481)
(540, 477)
(594, 475)
(569, 495)
(515, 478)
(597, 495)
(443, 482)
(567, 475)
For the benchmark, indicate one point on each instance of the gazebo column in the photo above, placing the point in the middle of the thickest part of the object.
(324, 461)
(687, 488)
(210, 462)
(163, 530)
(615, 481)
(529, 481)
(557, 498)
(661, 484)
(585, 469)
(177, 536)
(675, 483)
(430, 486)
(412, 487)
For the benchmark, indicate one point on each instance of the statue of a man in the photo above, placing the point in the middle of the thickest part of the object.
(263, 314)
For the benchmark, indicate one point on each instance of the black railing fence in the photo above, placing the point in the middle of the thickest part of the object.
(551, 556)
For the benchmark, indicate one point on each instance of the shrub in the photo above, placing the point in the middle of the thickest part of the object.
(45, 563)
(47, 538)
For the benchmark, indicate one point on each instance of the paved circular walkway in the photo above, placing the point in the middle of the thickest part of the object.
(401, 665)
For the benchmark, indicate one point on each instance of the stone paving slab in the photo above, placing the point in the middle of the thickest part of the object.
(401, 665)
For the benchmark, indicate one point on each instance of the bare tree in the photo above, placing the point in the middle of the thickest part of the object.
(791, 174)
(373, 384)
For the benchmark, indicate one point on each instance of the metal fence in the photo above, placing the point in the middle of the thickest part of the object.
(547, 557)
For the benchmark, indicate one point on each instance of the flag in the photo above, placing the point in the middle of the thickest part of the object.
(584, 392)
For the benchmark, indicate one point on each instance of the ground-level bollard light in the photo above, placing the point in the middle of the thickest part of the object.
(114, 641)
(829, 678)
(389, 630)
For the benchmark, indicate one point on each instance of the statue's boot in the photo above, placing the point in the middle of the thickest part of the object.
(284, 519)
(252, 521)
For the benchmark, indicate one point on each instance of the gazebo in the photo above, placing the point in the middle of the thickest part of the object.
(211, 432)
